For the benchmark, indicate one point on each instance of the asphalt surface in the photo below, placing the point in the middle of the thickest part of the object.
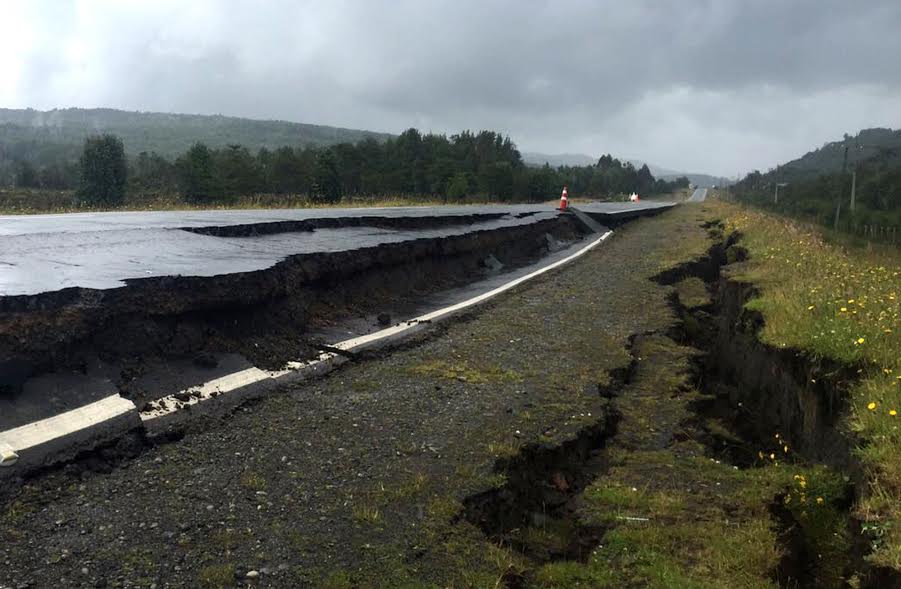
(44, 253)
(699, 195)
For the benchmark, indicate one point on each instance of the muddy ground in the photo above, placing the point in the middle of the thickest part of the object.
(561, 436)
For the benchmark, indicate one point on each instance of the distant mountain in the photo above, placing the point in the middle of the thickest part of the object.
(579, 159)
(557, 160)
(702, 180)
(166, 134)
(866, 145)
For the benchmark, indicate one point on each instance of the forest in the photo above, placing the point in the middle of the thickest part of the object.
(467, 165)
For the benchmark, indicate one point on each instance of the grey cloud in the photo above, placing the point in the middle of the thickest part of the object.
(763, 80)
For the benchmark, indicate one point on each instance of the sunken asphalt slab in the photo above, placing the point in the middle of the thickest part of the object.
(45, 253)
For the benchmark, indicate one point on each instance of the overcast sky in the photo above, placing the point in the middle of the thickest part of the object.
(718, 86)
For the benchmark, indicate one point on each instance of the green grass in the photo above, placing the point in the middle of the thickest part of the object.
(253, 481)
(464, 371)
(217, 576)
(692, 292)
(841, 303)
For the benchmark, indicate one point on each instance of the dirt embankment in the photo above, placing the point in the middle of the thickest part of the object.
(774, 390)
(782, 405)
(261, 315)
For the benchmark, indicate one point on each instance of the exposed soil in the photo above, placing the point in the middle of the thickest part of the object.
(261, 315)
(755, 390)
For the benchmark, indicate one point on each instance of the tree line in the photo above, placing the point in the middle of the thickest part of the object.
(466, 165)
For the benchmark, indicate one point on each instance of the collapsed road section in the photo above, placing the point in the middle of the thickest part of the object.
(105, 328)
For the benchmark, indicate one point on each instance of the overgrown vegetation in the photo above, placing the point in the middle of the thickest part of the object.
(839, 303)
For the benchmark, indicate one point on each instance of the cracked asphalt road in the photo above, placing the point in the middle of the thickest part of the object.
(356, 479)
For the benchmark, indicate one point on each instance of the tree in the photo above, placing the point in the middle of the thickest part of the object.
(27, 176)
(151, 172)
(287, 173)
(458, 187)
(104, 170)
(543, 184)
(326, 181)
(195, 173)
(645, 181)
(238, 172)
(496, 179)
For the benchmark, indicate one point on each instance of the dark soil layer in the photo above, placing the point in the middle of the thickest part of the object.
(262, 315)
(423, 222)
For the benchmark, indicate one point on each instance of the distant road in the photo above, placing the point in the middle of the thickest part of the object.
(700, 194)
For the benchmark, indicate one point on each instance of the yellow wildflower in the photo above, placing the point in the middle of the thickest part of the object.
(872, 406)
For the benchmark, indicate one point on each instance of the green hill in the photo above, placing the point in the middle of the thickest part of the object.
(167, 134)
(884, 144)
(818, 186)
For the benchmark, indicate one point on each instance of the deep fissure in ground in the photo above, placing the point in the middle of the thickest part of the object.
(771, 411)
(535, 511)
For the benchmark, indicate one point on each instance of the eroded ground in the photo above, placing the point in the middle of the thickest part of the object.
(556, 438)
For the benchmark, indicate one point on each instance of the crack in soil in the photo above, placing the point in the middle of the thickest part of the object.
(732, 431)
(535, 511)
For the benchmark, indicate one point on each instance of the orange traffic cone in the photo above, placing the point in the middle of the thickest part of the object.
(563, 199)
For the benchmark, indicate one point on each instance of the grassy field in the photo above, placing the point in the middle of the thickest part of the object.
(840, 302)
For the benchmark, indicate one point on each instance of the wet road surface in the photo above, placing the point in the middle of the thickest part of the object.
(699, 195)
(44, 253)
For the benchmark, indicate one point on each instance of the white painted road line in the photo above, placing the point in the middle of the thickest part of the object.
(440, 314)
(327, 361)
(207, 390)
(699, 195)
(46, 430)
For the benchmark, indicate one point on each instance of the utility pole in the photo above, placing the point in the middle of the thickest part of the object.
(778, 186)
(854, 175)
(838, 201)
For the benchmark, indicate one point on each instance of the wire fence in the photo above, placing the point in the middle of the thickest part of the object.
(880, 233)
